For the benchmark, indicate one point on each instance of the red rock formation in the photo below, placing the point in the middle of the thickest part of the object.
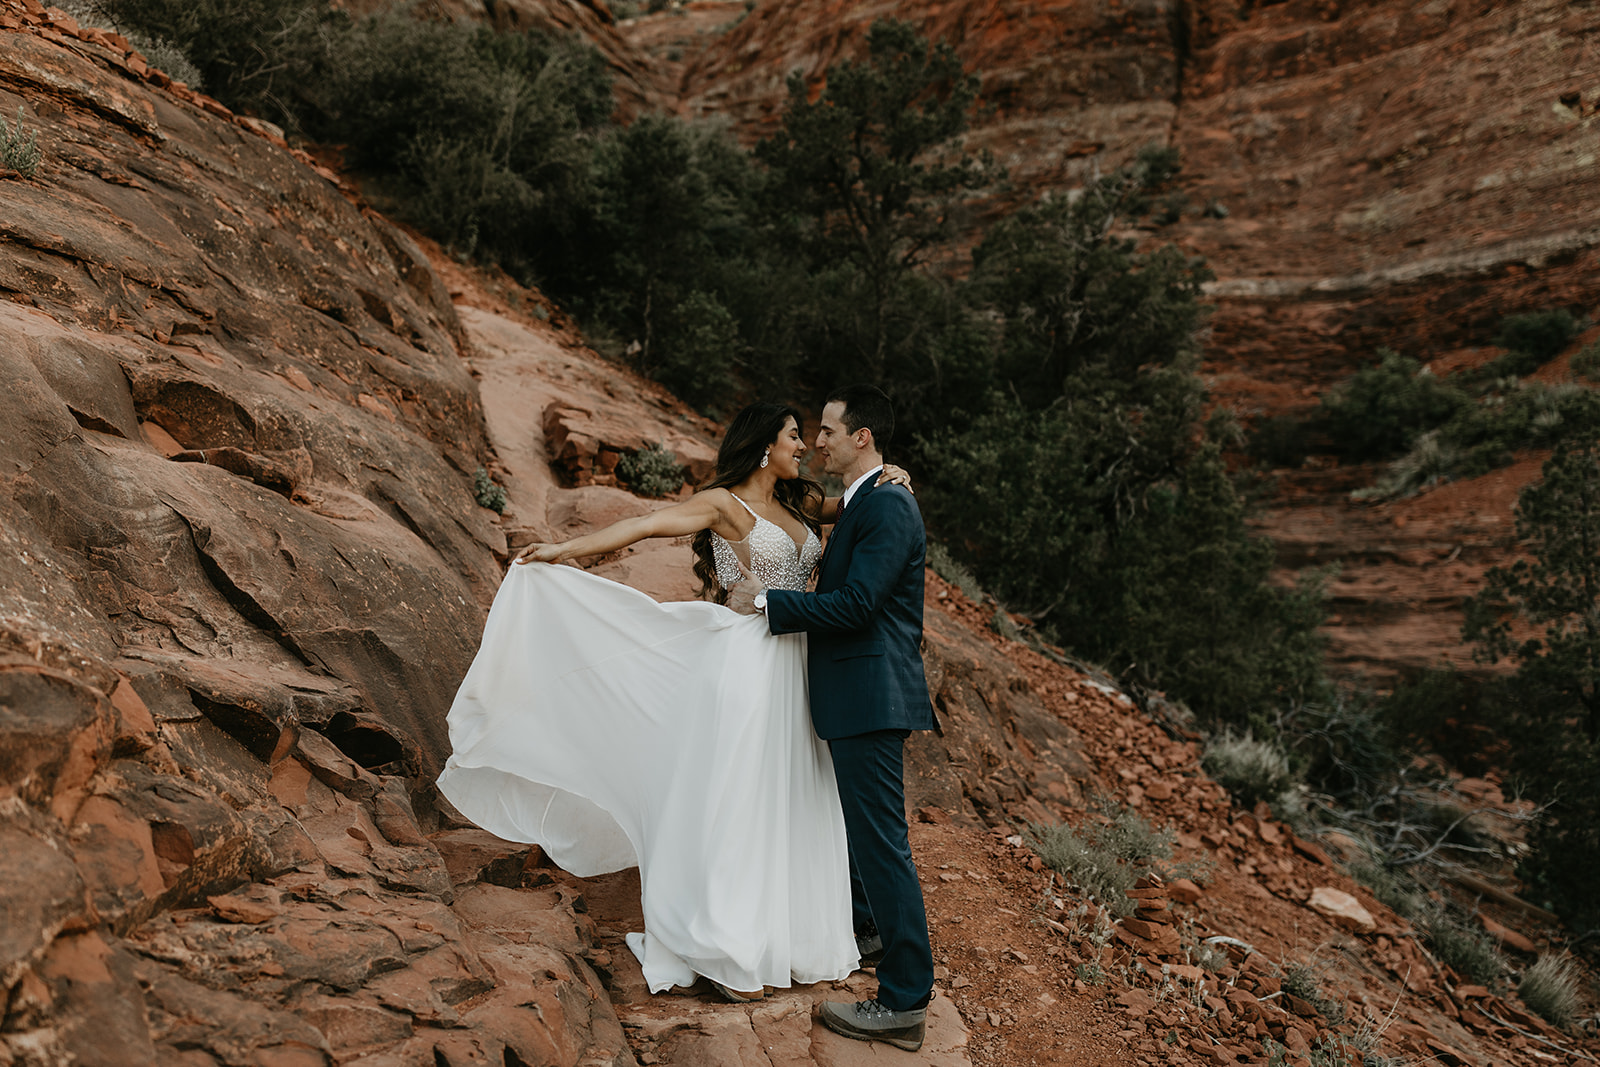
(242, 573)
(1069, 86)
(1393, 174)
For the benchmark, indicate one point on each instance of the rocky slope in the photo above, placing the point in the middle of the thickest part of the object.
(243, 572)
(1392, 174)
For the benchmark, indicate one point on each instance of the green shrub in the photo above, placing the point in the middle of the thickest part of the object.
(1382, 410)
(1485, 434)
(487, 492)
(1471, 952)
(1251, 770)
(1129, 545)
(1091, 973)
(1460, 717)
(1104, 856)
(270, 58)
(1586, 362)
(1541, 335)
(1281, 440)
(699, 351)
(1393, 889)
(651, 471)
(1550, 988)
(160, 53)
(946, 566)
(19, 147)
(1304, 980)
(1540, 613)
(480, 137)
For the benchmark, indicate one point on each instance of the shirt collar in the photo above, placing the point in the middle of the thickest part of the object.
(858, 483)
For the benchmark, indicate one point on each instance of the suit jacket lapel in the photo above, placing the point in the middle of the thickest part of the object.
(849, 513)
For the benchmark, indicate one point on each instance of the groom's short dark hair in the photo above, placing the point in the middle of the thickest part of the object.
(866, 405)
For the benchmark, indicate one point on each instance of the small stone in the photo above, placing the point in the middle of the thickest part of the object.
(1507, 936)
(1135, 1001)
(1344, 909)
(1142, 928)
(1311, 851)
(1184, 891)
(1300, 1006)
(238, 909)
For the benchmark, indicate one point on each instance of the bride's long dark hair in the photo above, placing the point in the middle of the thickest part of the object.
(749, 435)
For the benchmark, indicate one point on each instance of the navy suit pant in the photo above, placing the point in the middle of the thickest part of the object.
(883, 879)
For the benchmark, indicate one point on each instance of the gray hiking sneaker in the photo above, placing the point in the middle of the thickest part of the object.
(867, 1020)
(870, 948)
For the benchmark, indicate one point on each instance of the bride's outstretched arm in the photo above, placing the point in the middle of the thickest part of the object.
(891, 473)
(700, 512)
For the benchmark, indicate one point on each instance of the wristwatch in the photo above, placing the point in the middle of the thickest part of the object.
(760, 602)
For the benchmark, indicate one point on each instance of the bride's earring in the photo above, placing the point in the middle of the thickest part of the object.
(765, 456)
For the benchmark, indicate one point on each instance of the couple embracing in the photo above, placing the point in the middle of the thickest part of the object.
(748, 761)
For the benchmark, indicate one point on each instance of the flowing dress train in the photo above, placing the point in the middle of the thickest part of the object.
(614, 731)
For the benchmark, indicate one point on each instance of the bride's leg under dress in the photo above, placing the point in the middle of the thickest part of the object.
(613, 731)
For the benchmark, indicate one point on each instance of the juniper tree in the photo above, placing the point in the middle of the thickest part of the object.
(1543, 613)
(868, 177)
(1556, 591)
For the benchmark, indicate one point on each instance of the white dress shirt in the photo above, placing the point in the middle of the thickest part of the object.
(858, 483)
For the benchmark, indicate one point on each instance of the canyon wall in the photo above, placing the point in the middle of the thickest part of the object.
(1386, 173)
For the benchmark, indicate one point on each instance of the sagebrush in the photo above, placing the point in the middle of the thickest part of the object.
(1249, 768)
(487, 492)
(1106, 854)
(1550, 987)
(651, 471)
(19, 147)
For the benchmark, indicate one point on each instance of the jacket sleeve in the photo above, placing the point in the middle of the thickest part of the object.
(886, 537)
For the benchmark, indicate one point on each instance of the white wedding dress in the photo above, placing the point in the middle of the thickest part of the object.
(614, 731)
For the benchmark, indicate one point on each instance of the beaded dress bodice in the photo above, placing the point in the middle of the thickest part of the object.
(774, 559)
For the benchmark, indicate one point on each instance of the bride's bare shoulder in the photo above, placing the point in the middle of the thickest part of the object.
(719, 498)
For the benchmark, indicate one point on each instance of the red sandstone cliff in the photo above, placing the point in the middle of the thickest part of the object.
(1393, 173)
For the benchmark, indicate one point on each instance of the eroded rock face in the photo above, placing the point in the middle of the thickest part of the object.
(1071, 86)
(241, 573)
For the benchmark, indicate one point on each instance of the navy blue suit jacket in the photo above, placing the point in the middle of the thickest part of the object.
(865, 619)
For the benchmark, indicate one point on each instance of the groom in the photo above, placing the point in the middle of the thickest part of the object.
(867, 694)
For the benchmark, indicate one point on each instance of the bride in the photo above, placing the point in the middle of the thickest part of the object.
(614, 731)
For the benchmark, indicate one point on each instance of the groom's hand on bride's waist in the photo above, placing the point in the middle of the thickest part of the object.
(742, 597)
